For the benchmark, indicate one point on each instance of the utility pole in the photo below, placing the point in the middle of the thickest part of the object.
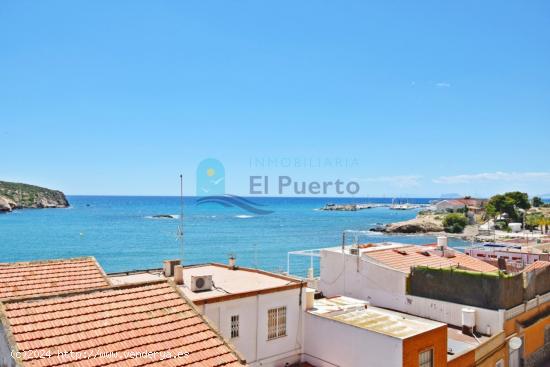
(180, 226)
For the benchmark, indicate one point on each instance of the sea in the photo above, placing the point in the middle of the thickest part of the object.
(122, 233)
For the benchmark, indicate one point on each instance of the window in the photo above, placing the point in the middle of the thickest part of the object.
(234, 326)
(426, 358)
(276, 323)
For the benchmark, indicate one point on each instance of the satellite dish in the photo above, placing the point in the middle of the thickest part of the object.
(515, 343)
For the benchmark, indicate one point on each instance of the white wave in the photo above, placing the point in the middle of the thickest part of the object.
(243, 216)
(374, 233)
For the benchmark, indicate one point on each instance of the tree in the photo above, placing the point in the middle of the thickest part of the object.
(491, 211)
(508, 203)
(537, 202)
(532, 221)
(521, 199)
(454, 223)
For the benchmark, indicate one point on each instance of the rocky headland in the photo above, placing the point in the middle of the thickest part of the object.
(424, 223)
(20, 196)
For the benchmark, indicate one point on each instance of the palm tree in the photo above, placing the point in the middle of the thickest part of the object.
(543, 222)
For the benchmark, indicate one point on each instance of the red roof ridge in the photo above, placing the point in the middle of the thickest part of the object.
(48, 277)
(538, 264)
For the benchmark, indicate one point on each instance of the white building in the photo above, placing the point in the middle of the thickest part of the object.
(345, 332)
(514, 254)
(377, 273)
(259, 313)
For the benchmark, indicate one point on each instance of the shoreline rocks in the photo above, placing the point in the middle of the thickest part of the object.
(23, 196)
(413, 226)
(340, 207)
(6, 205)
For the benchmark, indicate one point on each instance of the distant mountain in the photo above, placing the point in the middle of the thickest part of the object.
(15, 195)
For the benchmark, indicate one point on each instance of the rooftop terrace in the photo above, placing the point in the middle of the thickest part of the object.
(228, 283)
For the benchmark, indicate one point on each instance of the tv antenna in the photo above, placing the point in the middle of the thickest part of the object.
(179, 234)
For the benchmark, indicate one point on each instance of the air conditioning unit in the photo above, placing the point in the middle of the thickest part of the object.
(201, 283)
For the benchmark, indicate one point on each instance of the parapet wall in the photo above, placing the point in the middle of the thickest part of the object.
(486, 290)
(537, 283)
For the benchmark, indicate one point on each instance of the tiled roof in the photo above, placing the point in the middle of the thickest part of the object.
(403, 258)
(471, 263)
(536, 265)
(462, 202)
(35, 278)
(105, 326)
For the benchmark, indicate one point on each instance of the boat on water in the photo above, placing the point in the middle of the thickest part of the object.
(402, 206)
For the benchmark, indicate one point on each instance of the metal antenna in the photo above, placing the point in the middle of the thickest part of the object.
(255, 257)
(180, 226)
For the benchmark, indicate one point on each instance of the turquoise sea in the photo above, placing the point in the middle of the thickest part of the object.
(121, 233)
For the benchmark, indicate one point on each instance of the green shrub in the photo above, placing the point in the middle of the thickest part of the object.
(501, 225)
(455, 223)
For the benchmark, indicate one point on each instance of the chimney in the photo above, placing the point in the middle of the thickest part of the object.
(232, 260)
(178, 274)
(502, 263)
(168, 267)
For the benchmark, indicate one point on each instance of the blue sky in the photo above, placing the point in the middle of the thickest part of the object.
(419, 98)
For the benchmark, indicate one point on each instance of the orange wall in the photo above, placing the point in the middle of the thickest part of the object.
(465, 360)
(436, 339)
(492, 360)
(510, 325)
(534, 334)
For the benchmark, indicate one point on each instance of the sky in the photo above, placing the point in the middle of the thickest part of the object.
(406, 98)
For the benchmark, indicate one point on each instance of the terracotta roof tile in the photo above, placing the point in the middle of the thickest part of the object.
(403, 258)
(26, 279)
(540, 264)
(151, 319)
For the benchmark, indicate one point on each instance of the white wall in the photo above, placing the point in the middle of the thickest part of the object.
(451, 313)
(384, 287)
(331, 343)
(252, 342)
(349, 275)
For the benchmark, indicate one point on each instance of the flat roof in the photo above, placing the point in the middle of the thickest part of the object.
(359, 314)
(33, 278)
(459, 343)
(229, 283)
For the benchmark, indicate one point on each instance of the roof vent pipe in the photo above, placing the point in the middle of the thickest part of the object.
(441, 242)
